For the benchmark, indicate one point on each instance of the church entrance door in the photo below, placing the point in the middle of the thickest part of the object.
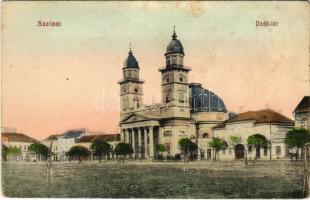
(239, 151)
(208, 154)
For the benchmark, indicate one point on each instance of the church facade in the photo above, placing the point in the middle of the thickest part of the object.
(187, 110)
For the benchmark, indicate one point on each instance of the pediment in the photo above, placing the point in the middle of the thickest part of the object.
(134, 118)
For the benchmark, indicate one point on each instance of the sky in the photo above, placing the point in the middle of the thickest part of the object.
(60, 78)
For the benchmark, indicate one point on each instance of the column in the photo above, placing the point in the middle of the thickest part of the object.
(133, 142)
(126, 136)
(145, 143)
(123, 135)
(129, 135)
(151, 143)
(139, 143)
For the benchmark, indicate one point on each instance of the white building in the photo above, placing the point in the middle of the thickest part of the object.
(62, 143)
(268, 123)
(187, 110)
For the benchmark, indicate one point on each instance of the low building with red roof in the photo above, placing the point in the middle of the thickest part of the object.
(267, 122)
(87, 140)
(19, 140)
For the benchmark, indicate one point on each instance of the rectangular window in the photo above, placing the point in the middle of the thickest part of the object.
(278, 150)
(167, 133)
(181, 97)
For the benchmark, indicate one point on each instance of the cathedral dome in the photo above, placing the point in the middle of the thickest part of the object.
(205, 100)
(131, 61)
(175, 46)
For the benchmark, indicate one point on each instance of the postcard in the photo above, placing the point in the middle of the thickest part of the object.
(164, 100)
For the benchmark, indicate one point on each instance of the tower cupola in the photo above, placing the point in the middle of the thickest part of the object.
(131, 67)
(175, 46)
(131, 61)
(174, 52)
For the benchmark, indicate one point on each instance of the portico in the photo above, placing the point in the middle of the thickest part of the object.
(142, 133)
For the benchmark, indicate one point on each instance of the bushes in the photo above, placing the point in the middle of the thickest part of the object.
(177, 157)
(169, 158)
(40, 150)
(78, 152)
(123, 149)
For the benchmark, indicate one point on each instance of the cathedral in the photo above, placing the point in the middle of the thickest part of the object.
(187, 110)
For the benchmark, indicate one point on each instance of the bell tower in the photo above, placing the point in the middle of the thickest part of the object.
(131, 91)
(174, 81)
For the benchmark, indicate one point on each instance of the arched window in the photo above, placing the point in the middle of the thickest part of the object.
(168, 61)
(205, 135)
(174, 60)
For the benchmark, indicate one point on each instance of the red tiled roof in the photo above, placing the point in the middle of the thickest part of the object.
(17, 137)
(86, 138)
(106, 138)
(260, 116)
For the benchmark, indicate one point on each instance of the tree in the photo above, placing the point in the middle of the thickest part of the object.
(39, 149)
(187, 146)
(234, 141)
(217, 144)
(4, 152)
(101, 148)
(79, 152)
(297, 138)
(123, 149)
(13, 152)
(159, 148)
(258, 141)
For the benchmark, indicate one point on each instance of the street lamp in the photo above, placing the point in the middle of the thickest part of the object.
(49, 163)
(197, 139)
(213, 138)
(246, 157)
(306, 172)
(270, 141)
